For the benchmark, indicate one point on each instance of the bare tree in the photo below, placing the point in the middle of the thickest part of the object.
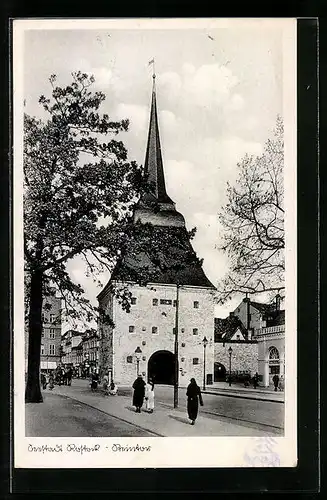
(253, 222)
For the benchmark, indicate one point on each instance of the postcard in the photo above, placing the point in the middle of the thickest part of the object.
(155, 243)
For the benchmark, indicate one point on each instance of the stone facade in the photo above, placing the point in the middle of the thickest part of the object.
(244, 356)
(271, 353)
(151, 327)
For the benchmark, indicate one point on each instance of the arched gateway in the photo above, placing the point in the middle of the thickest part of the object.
(219, 372)
(161, 367)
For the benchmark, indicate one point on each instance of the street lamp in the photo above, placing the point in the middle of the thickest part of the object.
(230, 351)
(138, 353)
(205, 343)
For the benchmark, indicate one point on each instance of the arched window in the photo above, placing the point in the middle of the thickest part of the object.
(273, 354)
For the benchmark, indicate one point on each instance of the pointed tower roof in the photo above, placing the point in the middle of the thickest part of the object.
(153, 166)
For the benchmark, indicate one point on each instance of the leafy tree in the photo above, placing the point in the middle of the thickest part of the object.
(76, 207)
(253, 222)
(65, 196)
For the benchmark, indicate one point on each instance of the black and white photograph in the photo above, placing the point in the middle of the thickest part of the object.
(155, 242)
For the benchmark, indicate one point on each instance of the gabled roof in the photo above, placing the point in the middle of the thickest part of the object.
(225, 328)
(263, 308)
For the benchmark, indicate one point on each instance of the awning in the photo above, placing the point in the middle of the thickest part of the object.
(48, 365)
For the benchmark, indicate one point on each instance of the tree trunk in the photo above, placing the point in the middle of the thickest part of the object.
(33, 390)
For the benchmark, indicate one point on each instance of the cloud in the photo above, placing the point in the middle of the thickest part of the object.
(137, 115)
(204, 86)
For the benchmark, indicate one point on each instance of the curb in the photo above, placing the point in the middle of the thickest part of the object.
(239, 396)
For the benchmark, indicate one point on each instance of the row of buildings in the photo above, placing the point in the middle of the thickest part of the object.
(73, 349)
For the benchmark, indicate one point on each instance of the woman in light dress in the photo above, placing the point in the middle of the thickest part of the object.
(149, 396)
(113, 388)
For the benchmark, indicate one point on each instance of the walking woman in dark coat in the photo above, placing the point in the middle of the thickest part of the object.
(194, 395)
(139, 392)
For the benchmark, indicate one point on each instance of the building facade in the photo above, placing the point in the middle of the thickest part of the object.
(90, 352)
(271, 348)
(256, 333)
(51, 334)
(70, 347)
(236, 351)
(172, 317)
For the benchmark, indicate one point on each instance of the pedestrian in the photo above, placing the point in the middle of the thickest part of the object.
(43, 381)
(194, 396)
(105, 384)
(69, 376)
(113, 388)
(94, 381)
(149, 396)
(276, 381)
(51, 381)
(138, 395)
(255, 380)
(281, 383)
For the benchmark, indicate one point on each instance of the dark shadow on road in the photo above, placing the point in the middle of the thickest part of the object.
(180, 419)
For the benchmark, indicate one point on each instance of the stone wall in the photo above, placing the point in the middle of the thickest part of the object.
(144, 316)
(244, 356)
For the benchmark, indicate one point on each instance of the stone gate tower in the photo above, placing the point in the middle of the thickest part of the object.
(150, 326)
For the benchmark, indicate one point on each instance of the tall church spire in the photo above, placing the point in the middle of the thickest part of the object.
(153, 159)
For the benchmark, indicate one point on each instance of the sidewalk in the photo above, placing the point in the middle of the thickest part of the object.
(238, 390)
(164, 421)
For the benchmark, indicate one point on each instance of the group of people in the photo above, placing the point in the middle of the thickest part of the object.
(145, 391)
(59, 376)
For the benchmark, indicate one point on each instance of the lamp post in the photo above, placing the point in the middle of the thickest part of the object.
(176, 350)
(205, 343)
(230, 350)
(138, 353)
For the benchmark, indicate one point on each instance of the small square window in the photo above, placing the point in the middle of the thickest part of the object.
(154, 329)
(133, 301)
(52, 318)
(154, 302)
(195, 361)
(195, 331)
(196, 304)
(131, 329)
(42, 349)
(166, 302)
(129, 359)
(51, 335)
(174, 303)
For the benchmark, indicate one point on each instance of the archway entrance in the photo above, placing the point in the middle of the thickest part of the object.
(161, 367)
(219, 372)
(274, 363)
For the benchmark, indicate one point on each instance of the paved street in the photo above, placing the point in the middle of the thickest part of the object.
(64, 417)
(242, 409)
(76, 411)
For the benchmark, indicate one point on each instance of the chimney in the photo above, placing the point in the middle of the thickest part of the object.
(278, 298)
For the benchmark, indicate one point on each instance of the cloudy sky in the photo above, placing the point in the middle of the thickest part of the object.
(219, 90)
